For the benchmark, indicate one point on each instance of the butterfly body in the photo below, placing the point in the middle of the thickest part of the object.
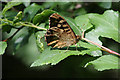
(60, 34)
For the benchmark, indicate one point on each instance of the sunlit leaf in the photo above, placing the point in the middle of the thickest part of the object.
(106, 25)
(54, 56)
(39, 41)
(3, 46)
(105, 62)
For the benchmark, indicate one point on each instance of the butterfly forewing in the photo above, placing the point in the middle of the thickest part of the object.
(60, 33)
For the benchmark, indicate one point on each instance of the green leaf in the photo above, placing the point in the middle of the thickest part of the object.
(3, 46)
(1, 14)
(106, 25)
(28, 52)
(39, 42)
(92, 49)
(49, 5)
(80, 11)
(32, 10)
(73, 25)
(79, 22)
(10, 5)
(83, 22)
(105, 62)
(42, 17)
(21, 41)
(10, 15)
(26, 3)
(18, 17)
(105, 5)
(6, 28)
(54, 56)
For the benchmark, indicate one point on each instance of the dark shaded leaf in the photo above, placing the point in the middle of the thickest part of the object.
(10, 5)
(42, 17)
(32, 10)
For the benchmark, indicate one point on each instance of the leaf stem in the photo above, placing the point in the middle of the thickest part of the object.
(22, 24)
(6, 20)
(28, 24)
(103, 48)
(31, 25)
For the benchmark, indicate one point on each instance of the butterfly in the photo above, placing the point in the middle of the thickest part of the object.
(60, 34)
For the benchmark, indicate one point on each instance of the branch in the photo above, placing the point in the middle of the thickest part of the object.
(31, 25)
(103, 48)
(28, 24)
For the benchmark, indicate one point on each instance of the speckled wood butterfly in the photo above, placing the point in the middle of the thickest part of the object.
(60, 34)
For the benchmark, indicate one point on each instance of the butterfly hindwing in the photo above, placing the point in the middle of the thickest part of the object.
(60, 34)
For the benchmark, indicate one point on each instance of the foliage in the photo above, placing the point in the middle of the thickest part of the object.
(104, 24)
(105, 62)
(33, 23)
(3, 46)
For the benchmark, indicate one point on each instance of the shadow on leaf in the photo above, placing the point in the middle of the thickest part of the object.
(71, 48)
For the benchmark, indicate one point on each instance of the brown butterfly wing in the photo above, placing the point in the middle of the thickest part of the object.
(60, 33)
